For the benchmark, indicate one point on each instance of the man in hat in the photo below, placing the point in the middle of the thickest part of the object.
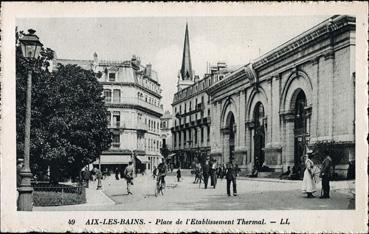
(231, 175)
(20, 165)
(325, 174)
(128, 175)
(206, 173)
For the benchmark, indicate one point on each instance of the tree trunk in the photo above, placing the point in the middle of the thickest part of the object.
(54, 174)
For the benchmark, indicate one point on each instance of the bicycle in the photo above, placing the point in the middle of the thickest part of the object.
(160, 185)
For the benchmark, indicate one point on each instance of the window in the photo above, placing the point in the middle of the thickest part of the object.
(107, 95)
(195, 136)
(180, 109)
(116, 119)
(108, 115)
(208, 112)
(116, 140)
(185, 108)
(112, 76)
(116, 95)
(190, 106)
(208, 134)
(180, 139)
(202, 135)
(175, 139)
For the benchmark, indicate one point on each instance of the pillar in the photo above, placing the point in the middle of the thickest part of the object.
(290, 140)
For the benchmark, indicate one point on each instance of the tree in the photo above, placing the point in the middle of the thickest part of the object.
(69, 125)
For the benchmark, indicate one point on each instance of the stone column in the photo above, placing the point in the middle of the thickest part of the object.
(248, 133)
(315, 103)
(225, 156)
(290, 140)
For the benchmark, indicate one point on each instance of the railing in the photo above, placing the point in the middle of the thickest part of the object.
(46, 194)
(136, 101)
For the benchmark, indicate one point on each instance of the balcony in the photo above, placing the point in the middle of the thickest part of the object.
(137, 102)
(117, 124)
(141, 127)
(115, 145)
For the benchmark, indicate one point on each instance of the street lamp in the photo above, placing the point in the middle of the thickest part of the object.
(31, 47)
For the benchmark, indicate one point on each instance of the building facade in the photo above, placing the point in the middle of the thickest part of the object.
(166, 124)
(192, 112)
(132, 96)
(300, 94)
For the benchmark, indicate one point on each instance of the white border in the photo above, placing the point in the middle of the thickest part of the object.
(301, 220)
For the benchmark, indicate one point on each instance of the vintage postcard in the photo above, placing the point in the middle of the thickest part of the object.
(184, 117)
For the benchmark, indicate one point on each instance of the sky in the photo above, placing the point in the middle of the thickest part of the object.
(159, 40)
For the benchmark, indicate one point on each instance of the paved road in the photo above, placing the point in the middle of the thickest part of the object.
(184, 195)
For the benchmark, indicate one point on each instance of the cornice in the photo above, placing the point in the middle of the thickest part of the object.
(133, 84)
(133, 106)
(323, 30)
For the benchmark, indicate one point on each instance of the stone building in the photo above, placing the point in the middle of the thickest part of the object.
(191, 108)
(132, 96)
(166, 123)
(302, 93)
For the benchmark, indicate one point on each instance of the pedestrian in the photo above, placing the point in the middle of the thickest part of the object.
(219, 171)
(20, 166)
(86, 177)
(198, 173)
(223, 173)
(206, 173)
(326, 174)
(214, 167)
(179, 174)
(154, 172)
(231, 175)
(128, 175)
(308, 182)
(117, 173)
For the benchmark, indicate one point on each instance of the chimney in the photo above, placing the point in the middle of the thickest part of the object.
(148, 70)
(221, 65)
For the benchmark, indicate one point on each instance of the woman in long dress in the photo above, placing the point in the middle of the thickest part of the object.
(308, 182)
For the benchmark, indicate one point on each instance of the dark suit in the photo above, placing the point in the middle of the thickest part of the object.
(325, 174)
(205, 173)
(231, 175)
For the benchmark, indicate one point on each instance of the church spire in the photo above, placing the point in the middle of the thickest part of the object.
(186, 69)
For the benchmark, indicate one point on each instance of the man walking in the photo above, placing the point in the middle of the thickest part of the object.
(325, 174)
(213, 173)
(231, 175)
(206, 171)
(128, 175)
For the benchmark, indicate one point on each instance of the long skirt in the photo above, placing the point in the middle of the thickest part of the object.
(308, 183)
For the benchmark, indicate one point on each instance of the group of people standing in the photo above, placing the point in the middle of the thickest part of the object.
(312, 176)
(210, 169)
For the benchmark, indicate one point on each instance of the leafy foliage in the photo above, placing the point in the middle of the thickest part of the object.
(68, 117)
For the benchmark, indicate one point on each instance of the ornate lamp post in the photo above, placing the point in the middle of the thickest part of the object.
(31, 47)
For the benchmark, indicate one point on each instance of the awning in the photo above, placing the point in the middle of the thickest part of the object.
(114, 159)
(143, 159)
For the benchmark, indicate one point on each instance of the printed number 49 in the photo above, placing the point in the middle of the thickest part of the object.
(71, 221)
